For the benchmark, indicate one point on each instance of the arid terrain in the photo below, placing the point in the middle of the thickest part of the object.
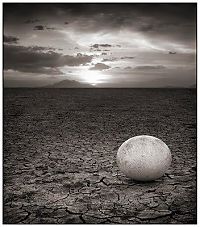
(60, 149)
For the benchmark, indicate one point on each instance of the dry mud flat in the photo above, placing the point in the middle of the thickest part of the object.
(60, 150)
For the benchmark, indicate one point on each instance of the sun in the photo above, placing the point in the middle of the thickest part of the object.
(92, 77)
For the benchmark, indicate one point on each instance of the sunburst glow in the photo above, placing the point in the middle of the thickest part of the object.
(93, 77)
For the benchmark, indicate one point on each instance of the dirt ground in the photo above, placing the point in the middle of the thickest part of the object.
(60, 149)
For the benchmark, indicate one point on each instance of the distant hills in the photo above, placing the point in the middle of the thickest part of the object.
(10, 83)
(75, 84)
(69, 84)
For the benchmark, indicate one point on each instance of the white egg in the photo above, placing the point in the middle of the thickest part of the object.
(144, 158)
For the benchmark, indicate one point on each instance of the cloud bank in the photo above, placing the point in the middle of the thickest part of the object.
(10, 39)
(36, 60)
(100, 66)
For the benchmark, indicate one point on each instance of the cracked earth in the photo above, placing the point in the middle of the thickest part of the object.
(60, 149)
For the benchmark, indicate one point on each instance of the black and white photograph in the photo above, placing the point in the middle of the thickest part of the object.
(99, 113)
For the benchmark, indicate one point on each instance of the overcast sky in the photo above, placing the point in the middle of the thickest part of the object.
(106, 45)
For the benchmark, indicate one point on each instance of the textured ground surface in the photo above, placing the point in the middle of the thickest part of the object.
(60, 148)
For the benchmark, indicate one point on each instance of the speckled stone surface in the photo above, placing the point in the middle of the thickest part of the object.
(144, 158)
(60, 151)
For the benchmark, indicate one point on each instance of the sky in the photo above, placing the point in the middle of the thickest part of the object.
(101, 44)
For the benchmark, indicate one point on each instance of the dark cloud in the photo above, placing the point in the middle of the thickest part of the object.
(100, 66)
(43, 27)
(144, 16)
(50, 28)
(100, 45)
(172, 52)
(36, 60)
(105, 45)
(10, 39)
(175, 20)
(127, 57)
(39, 48)
(39, 27)
(80, 55)
(150, 67)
